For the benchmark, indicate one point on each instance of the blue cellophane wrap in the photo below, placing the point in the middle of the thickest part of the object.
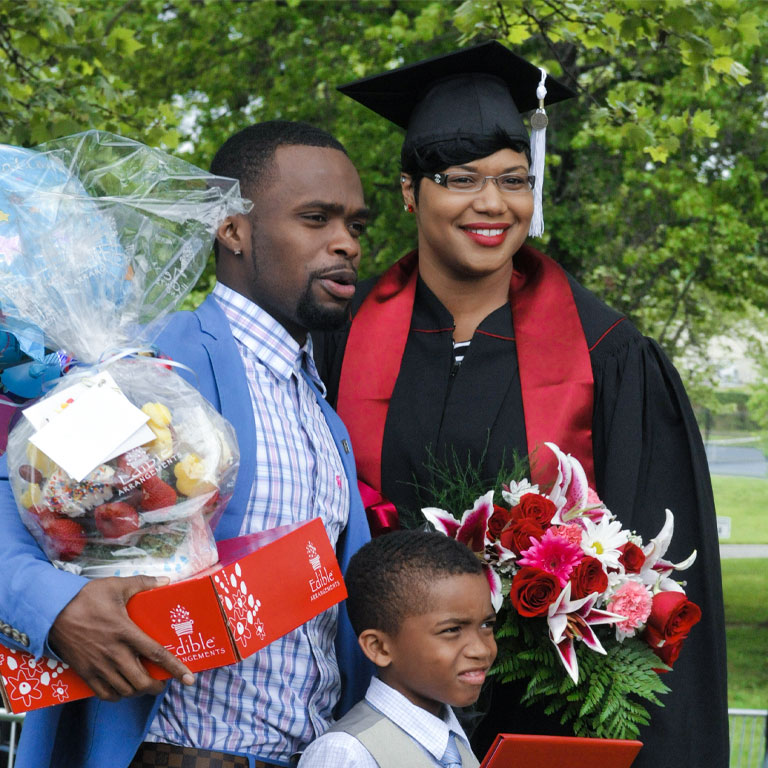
(100, 237)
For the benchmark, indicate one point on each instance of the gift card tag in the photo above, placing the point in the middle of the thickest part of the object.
(86, 424)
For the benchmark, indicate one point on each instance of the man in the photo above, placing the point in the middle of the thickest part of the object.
(288, 266)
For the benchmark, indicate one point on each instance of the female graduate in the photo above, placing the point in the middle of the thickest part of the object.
(476, 345)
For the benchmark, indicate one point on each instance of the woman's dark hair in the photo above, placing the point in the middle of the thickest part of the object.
(436, 157)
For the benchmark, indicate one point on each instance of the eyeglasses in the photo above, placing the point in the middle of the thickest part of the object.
(509, 183)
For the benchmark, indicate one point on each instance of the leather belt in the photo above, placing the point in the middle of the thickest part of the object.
(152, 754)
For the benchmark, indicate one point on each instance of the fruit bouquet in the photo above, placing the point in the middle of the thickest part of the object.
(589, 614)
(122, 466)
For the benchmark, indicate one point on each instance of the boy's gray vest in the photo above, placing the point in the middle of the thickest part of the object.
(389, 745)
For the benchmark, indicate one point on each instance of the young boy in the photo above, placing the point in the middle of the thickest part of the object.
(421, 607)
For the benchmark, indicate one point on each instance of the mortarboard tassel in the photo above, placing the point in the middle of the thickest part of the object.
(538, 147)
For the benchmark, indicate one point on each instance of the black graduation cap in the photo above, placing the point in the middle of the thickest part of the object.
(474, 92)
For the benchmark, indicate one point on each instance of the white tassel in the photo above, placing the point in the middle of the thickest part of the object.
(538, 149)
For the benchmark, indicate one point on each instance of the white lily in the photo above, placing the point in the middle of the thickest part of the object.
(656, 570)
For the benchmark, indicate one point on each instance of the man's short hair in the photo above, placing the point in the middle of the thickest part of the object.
(389, 578)
(247, 156)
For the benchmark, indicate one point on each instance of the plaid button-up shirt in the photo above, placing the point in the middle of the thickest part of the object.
(278, 700)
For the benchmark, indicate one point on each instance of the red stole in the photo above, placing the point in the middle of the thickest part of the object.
(555, 369)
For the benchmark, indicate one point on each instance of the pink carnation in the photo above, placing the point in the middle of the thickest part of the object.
(571, 533)
(554, 554)
(633, 601)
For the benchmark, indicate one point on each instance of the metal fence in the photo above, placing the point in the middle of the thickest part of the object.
(10, 726)
(748, 732)
(748, 729)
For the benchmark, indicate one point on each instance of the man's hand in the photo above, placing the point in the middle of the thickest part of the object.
(96, 637)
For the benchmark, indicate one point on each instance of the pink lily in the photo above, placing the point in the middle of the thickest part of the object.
(472, 527)
(570, 492)
(571, 620)
(470, 530)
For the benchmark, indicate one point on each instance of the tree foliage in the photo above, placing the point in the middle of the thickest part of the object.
(655, 193)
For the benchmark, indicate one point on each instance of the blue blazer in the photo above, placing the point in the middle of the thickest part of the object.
(91, 733)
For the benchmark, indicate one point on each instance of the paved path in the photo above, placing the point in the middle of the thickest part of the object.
(743, 550)
(736, 460)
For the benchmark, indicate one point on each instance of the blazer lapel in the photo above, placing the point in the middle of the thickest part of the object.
(234, 401)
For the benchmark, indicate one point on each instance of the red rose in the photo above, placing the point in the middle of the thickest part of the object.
(533, 591)
(497, 521)
(517, 536)
(668, 653)
(588, 577)
(536, 507)
(671, 619)
(632, 557)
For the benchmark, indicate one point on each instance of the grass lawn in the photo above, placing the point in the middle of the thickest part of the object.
(745, 587)
(745, 501)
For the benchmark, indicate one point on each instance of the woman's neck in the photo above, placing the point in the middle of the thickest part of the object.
(469, 300)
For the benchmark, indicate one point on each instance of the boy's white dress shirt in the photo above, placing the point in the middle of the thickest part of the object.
(429, 732)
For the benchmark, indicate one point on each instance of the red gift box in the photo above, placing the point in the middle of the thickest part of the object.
(265, 585)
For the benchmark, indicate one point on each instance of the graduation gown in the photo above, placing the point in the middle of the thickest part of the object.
(648, 456)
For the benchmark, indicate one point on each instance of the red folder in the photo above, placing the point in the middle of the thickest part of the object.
(517, 750)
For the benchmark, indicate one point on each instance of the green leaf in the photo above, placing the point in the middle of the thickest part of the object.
(170, 139)
(749, 27)
(659, 154)
(703, 124)
(517, 34)
(122, 40)
(613, 20)
(723, 64)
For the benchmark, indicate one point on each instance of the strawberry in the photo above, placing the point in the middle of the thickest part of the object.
(43, 515)
(66, 537)
(116, 519)
(157, 494)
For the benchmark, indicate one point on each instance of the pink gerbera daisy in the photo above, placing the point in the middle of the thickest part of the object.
(554, 554)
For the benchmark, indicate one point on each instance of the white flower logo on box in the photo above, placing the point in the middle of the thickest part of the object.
(30, 677)
(314, 558)
(60, 691)
(23, 687)
(240, 604)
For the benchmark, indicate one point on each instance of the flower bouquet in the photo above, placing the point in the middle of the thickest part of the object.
(590, 614)
(121, 466)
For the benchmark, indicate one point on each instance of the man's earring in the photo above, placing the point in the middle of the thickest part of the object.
(238, 254)
(402, 179)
